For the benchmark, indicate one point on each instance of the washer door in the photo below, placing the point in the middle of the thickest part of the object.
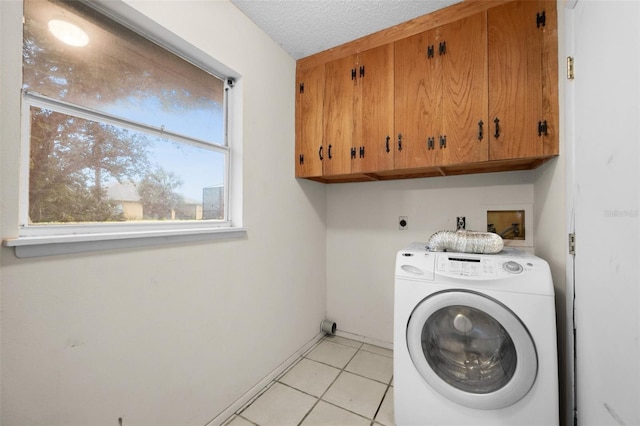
(472, 349)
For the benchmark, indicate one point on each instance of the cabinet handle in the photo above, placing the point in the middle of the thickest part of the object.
(362, 152)
(399, 141)
(480, 131)
(301, 159)
(497, 135)
(443, 142)
(353, 153)
(362, 71)
(387, 144)
(353, 73)
(329, 152)
(320, 153)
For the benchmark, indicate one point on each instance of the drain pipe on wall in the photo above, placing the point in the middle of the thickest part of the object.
(328, 326)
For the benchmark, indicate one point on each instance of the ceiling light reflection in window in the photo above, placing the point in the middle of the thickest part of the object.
(68, 33)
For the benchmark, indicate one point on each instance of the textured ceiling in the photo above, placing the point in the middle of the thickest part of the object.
(305, 27)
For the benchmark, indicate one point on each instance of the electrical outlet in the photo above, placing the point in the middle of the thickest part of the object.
(461, 223)
(403, 223)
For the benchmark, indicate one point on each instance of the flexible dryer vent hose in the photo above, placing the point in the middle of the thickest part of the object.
(466, 242)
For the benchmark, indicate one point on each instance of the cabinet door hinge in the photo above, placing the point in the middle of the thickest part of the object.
(543, 128)
(442, 48)
(570, 70)
(541, 19)
(430, 51)
(572, 244)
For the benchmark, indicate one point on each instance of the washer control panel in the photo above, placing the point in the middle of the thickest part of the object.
(480, 267)
(466, 266)
(416, 262)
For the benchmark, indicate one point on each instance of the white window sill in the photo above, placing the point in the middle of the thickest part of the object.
(51, 245)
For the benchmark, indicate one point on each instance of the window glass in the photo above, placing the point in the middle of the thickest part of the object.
(87, 171)
(119, 128)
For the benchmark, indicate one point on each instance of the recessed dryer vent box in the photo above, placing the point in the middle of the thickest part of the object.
(500, 218)
(509, 224)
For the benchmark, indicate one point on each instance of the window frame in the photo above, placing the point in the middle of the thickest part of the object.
(45, 239)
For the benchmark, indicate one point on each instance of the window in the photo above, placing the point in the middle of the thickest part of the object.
(120, 131)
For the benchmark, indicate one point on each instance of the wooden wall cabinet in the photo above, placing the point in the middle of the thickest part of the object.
(440, 95)
(468, 89)
(521, 125)
(358, 112)
(309, 120)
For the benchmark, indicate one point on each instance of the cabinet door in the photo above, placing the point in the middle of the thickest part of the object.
(309, 100)
(464, 91)
(373, 109)
(515, 80)
(418, 101)
(340, 86)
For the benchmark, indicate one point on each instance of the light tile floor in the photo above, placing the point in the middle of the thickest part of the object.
(340, 382)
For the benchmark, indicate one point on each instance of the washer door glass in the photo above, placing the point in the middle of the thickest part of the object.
(472, 349)
(469, 349)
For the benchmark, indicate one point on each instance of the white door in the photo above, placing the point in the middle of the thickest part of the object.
(604, 138)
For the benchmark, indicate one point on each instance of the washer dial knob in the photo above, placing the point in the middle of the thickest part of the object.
(512, 267)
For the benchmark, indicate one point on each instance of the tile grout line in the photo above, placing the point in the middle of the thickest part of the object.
(382, 400)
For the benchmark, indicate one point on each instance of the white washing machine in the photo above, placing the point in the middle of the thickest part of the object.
(474, 339)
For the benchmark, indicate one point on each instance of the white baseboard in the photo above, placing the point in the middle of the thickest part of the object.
(255, 391)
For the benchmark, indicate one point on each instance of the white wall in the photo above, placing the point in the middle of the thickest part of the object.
(363, 236)
(170, 335)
